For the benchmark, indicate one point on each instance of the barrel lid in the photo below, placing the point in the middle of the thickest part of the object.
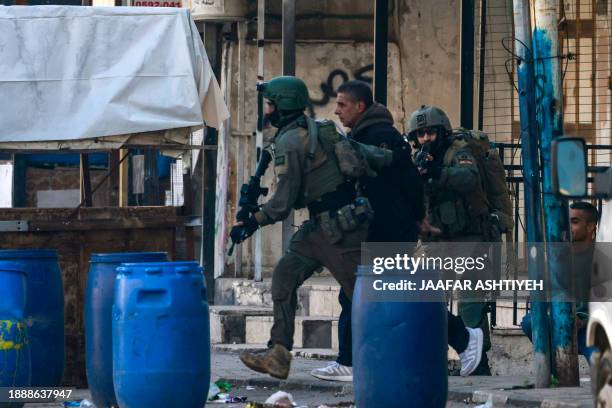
(121, 257)
(161, 268)
(9, 266)
(365, 270)
(28, 253)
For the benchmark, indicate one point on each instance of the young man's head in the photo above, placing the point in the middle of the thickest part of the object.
(583, 221)
(354, 98)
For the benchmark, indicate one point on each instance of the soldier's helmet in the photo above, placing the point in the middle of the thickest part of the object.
(288, 93)
(427, 116)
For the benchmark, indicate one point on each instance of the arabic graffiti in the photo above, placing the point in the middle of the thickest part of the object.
(328, 88)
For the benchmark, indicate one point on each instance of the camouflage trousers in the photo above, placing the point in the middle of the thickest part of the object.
(309, 250)
(473, 307)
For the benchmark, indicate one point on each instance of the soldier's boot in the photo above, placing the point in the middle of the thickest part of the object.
(275, 361)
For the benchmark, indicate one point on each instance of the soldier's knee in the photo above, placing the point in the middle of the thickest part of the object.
(288, 276)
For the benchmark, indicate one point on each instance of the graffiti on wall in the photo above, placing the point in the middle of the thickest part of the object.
(336, 78)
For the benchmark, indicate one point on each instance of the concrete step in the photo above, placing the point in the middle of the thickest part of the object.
(318, 296)
(320, 332)
(228, 322)
(311, 353)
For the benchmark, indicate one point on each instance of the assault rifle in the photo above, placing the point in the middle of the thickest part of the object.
(249, 194)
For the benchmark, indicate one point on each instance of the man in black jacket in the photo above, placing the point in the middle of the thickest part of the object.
(396, 196)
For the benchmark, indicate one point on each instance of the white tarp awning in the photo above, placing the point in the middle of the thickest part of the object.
(99, 77)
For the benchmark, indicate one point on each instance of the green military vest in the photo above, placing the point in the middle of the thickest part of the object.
(455, 213)
(321, 173)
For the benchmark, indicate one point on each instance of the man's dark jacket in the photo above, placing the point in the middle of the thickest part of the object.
(397, 193)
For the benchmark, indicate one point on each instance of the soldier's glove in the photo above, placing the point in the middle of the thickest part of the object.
(421, 159)
(425, 162)
(240, 233)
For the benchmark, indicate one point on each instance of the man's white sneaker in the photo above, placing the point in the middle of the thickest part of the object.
(470, 358)
(334, 372)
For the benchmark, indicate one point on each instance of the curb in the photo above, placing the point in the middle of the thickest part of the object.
(285, 385)
(498, 399)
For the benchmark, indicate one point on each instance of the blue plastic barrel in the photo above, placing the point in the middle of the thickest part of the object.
(399, 348)
(15, 363)
(44, 313)
(161, 338)
(98, 320)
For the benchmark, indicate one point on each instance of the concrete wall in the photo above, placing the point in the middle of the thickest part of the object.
(428, 34)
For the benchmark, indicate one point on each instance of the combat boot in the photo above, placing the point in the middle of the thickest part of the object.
(275, 361)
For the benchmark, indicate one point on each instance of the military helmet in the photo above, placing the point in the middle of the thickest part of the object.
(288, 93)
(427, 116)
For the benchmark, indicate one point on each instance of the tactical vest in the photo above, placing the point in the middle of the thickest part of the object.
(333, 160)
(322, 173)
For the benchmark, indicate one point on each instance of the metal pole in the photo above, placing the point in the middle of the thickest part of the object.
(151, 181)
(240, 135)
(481, 58)
(546, 52)
(261, 15)
(467, 64)
(529, 151)
(288, 37)
(85, 177)
(381, 40)
(288, 69)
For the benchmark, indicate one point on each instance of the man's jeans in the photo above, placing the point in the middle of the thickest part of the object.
(345, 339)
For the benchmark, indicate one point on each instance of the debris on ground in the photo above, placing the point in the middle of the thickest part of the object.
(213, 391)
(226, 399)
(218, 392)
(281, 399)
(488, 404)
(80, 404)
(223, 385)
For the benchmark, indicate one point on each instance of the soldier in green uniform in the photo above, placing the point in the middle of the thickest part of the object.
(309, 171)
(456, 200)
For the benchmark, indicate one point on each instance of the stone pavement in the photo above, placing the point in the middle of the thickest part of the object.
(497, 391)
(500, 391)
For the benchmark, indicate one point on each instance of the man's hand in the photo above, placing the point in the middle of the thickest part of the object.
(243, 229)
(427, 229)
